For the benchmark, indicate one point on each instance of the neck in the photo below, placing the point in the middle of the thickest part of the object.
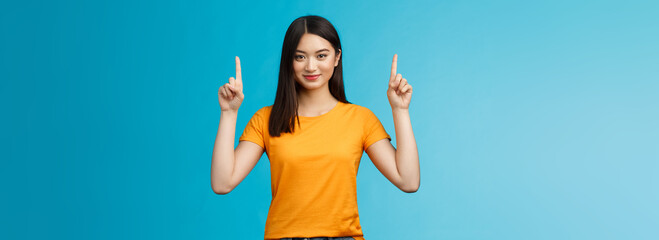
(315, 102)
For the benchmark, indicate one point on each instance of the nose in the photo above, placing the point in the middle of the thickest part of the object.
(311, 66)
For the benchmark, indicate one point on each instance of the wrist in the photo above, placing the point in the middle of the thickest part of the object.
(400, 110)
(229, 113)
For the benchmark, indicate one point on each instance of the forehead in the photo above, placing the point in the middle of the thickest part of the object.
(312, 43)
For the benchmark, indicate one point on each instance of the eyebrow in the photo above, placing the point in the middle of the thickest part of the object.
(324, 49)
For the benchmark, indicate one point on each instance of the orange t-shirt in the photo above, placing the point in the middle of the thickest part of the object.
(314, 171)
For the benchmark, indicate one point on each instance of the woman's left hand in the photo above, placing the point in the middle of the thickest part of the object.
(399, 92)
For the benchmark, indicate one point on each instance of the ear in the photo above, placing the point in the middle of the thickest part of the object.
(338, 57)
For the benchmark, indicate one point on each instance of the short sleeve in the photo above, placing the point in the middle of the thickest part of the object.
(373, 129)
(255, 129)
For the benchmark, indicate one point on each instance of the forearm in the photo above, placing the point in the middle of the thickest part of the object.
(407, 154)
(223, 153)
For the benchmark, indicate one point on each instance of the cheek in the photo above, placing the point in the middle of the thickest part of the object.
(298, 68)
(327, 65)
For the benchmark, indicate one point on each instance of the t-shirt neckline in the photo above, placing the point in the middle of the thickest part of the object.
(321, 115)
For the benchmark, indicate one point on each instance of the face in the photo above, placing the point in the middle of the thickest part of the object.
(314, 56)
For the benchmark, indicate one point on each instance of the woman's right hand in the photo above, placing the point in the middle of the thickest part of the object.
(231, 94)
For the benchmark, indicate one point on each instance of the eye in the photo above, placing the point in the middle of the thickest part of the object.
(298, 57)
(324, 55)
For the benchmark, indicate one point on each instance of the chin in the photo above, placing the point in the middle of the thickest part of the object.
(306, 84)
(311, 86)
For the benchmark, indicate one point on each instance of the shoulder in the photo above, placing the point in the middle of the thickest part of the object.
(358, 110)
(263, 113)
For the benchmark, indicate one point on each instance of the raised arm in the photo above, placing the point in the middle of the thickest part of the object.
(229, 167)
(400, 165)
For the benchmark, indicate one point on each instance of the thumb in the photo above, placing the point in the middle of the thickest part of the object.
(237, 91)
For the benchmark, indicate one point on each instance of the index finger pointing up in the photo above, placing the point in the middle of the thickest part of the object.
(239, 77)
(394, 65)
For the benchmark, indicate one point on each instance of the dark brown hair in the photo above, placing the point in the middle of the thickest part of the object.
(284, 110)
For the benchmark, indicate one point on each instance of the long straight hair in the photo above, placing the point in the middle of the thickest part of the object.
(284, 110)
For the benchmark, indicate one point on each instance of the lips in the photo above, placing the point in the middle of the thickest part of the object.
(311, 77)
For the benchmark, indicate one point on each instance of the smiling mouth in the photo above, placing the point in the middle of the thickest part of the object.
(311, 77)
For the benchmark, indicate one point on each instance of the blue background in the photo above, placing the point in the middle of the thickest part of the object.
(534, 120)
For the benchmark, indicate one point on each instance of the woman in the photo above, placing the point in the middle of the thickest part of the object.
(314, 139)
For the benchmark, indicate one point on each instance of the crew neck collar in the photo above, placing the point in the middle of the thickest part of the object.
(339, 103)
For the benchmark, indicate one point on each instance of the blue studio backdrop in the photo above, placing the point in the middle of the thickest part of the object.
(534, 119)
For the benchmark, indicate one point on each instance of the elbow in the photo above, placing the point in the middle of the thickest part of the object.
(410, 188)
(221, 190)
